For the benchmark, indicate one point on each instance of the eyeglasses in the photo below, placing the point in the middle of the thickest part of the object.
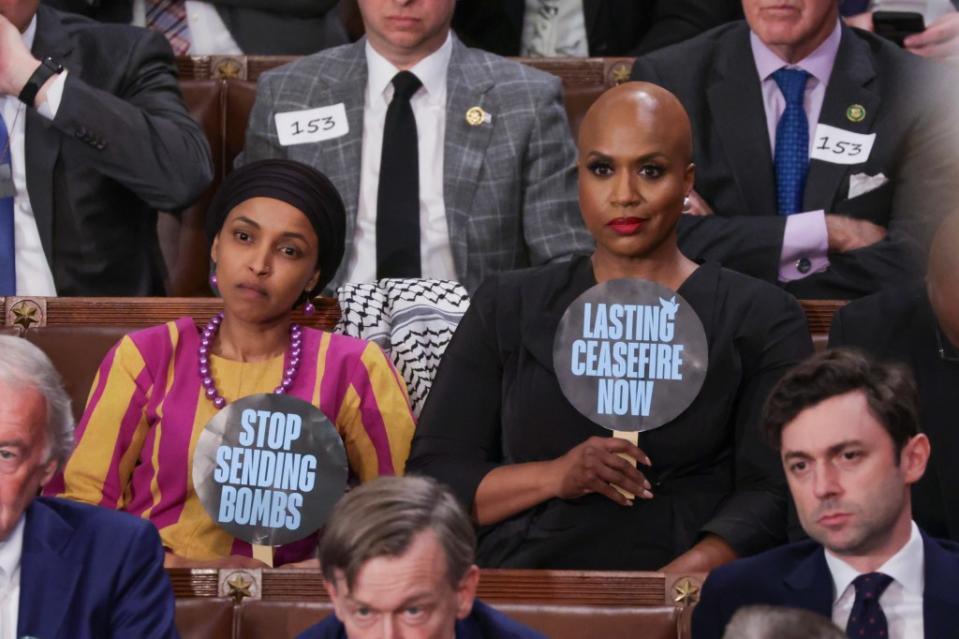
(951, 356)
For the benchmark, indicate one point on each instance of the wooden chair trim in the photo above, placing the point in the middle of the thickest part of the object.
(582, 588)
(140, 312)
(819, 314)
(137, 312)
(574, 72)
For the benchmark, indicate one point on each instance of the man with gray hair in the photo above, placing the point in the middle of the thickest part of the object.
(67, 570)
(398, 561)
(778, 622)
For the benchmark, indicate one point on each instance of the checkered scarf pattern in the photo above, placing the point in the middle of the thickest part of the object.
(412, 320)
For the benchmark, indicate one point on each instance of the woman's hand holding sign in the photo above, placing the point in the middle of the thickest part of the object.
(598, 466)
(595, 466)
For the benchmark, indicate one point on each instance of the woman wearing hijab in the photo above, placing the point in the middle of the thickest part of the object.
(539, 477)
(276, 231)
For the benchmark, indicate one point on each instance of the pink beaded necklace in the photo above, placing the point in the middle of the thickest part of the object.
(291, 362)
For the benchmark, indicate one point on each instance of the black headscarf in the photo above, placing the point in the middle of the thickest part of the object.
(298, 185)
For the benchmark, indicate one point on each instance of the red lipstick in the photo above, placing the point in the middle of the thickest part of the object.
(626, 225)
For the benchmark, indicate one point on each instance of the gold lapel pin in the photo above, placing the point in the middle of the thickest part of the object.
(856, 113)
(477, 116)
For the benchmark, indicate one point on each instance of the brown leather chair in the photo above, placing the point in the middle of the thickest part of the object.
(182, 237)
(76, 351)
(265, 618)
(206, 618)
(238, 102)
(609, 622)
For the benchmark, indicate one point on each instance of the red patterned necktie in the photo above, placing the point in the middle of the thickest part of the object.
(169, 18)
(867, 620)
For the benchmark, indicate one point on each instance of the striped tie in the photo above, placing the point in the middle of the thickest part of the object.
(169, 18)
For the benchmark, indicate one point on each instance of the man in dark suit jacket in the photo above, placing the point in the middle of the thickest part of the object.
(613, 27)
(258, 27)
(82, 572)
(398, 560)
(847, 432)
(918, 325)
(866, 221)
(120, 146)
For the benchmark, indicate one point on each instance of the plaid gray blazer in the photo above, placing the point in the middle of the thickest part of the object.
(509, 185)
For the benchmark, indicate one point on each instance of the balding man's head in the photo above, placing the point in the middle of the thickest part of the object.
(943, 277)
(639, 107)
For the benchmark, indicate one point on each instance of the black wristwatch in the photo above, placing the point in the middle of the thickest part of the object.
(47, 69)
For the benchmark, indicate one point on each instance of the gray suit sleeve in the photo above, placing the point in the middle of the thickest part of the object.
(552, 224)
(262, 141)
(144, 138)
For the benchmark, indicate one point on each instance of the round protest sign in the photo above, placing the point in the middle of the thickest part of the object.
(630, 354)
(269, 468)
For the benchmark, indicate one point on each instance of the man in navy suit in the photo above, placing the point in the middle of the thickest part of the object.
(847, 432)
(398, 561)
(67, 570)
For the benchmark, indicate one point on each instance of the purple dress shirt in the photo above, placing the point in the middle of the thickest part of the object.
(805, 235)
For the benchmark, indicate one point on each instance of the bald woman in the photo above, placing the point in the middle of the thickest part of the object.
(537, 475)
(919, 326)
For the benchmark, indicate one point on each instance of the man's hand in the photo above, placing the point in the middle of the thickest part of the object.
(848, 234)
(595, 467)
(697, 205)
(17, 64)
(939, 40)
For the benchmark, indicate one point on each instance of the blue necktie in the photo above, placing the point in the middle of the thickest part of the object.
(8, 273)
(792, 142)
(867, 620)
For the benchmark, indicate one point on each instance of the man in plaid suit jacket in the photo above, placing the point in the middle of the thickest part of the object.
(507, 188)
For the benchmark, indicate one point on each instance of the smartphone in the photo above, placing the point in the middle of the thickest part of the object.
(896, 25)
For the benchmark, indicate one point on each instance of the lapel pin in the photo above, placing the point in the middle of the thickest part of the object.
(477, 116)
(856, 113)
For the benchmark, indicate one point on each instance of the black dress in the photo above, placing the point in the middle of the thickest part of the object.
(496, 401)
(899, 324)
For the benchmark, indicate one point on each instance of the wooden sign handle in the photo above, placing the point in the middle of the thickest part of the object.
(263, 553)
(633, 438)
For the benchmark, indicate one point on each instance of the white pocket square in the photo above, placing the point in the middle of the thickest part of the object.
(860, 183)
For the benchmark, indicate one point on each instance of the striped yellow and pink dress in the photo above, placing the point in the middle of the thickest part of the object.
(147, 408)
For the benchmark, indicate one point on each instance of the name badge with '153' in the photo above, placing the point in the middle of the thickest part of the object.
(312, 125)
(838, 146)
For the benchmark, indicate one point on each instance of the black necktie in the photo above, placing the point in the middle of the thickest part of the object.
(398, 197)
(867, 620)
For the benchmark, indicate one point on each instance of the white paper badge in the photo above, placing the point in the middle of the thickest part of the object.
(312, 125)
(838, 146)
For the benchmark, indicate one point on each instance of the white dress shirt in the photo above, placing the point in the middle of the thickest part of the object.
(901, 602)
(554, 28)
(805, 234)
(10, 551)
(429, 110)
(208, 34)
(34, 276)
